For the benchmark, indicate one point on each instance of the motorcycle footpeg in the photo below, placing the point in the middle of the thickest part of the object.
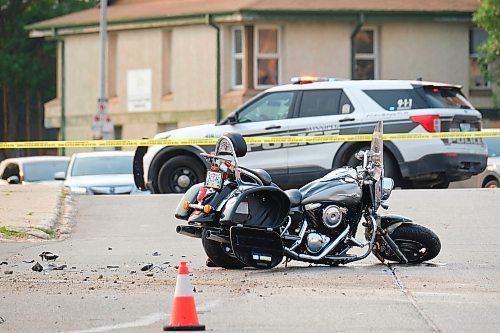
(257, 248)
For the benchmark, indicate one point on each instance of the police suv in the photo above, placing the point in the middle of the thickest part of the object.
(311, 106)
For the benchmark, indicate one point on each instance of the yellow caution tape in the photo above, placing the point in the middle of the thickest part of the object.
(249, 140)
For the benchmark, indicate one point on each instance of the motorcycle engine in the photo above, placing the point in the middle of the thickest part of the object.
(316, 242)
(332, 216)
(325, 216)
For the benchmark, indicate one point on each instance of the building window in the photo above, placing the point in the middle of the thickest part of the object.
(366, 55)
(237, 57)
(267, 57)
(476, 80)
(166, 61)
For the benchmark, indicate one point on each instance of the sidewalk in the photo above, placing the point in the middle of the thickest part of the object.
(32, 209)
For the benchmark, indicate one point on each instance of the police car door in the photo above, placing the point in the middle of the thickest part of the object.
(317, 112)
(267, 115)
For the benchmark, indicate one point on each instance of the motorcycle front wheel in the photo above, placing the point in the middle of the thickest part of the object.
(218, 255)
(416, 242)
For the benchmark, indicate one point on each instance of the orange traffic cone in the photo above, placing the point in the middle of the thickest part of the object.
(184, 316)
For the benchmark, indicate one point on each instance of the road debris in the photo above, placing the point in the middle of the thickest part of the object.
(156, 254)
(37, 267)
(151, 267)
(52, 267)
(9, 272)
(48, 256)
(147, 267)
(29, 262)
(4, 263)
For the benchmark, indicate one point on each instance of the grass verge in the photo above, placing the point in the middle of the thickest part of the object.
(12, 233)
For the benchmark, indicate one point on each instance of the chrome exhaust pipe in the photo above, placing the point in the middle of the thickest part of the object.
(189, 230)
(217, 237)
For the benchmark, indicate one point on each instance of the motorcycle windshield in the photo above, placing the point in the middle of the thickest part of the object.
(377, 151)
(377, 157)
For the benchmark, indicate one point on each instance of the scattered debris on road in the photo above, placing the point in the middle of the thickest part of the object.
(147, 267)
(37, 267)
(48, 256)
(4, 263)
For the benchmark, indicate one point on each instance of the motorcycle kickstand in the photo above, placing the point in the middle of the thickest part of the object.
(287, 260)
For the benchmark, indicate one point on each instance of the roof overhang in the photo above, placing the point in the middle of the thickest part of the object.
(47, 29)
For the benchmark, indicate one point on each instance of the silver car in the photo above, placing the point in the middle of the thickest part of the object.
(489, 178)
(32, 169)
(101, 172)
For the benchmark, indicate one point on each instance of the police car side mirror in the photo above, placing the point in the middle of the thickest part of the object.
(232, 119)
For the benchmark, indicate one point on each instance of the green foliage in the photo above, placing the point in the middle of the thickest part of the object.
(27, 63)
(488, 18)
(11, 233)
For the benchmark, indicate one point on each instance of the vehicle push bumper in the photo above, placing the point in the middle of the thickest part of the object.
(452, 166)
(138, 167)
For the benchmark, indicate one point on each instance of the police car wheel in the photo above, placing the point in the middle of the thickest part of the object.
(179, 173)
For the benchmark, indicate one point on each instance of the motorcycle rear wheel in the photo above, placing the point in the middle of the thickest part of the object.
(216, 253)
(416, 242)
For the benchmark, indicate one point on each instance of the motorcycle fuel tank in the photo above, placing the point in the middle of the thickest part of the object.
(335, 190)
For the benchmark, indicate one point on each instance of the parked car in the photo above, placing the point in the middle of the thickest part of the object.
(100, 172)
(489, 178)
(32, 170)
(313, 106)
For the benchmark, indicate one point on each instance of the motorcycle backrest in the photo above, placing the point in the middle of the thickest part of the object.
(231, 143)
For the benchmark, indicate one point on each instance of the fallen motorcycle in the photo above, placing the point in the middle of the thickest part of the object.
(243, 219)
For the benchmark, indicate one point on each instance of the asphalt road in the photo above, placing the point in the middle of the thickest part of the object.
(102, 288)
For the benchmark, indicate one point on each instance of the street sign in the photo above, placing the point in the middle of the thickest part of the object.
(102, 125)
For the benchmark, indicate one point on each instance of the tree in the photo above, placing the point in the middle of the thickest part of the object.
(27, 65)
(488, 18)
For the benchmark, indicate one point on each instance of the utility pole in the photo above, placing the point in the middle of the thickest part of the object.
(102, 126)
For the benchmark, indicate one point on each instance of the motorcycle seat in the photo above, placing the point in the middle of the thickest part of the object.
(295, 197)
(264, 177)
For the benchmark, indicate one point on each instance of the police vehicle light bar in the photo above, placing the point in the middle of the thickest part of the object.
(310, 79)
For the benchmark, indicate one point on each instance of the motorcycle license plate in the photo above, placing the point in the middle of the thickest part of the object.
(214, 179)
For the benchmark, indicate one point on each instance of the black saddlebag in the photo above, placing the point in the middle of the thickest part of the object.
(257, 248)
(263, 206)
